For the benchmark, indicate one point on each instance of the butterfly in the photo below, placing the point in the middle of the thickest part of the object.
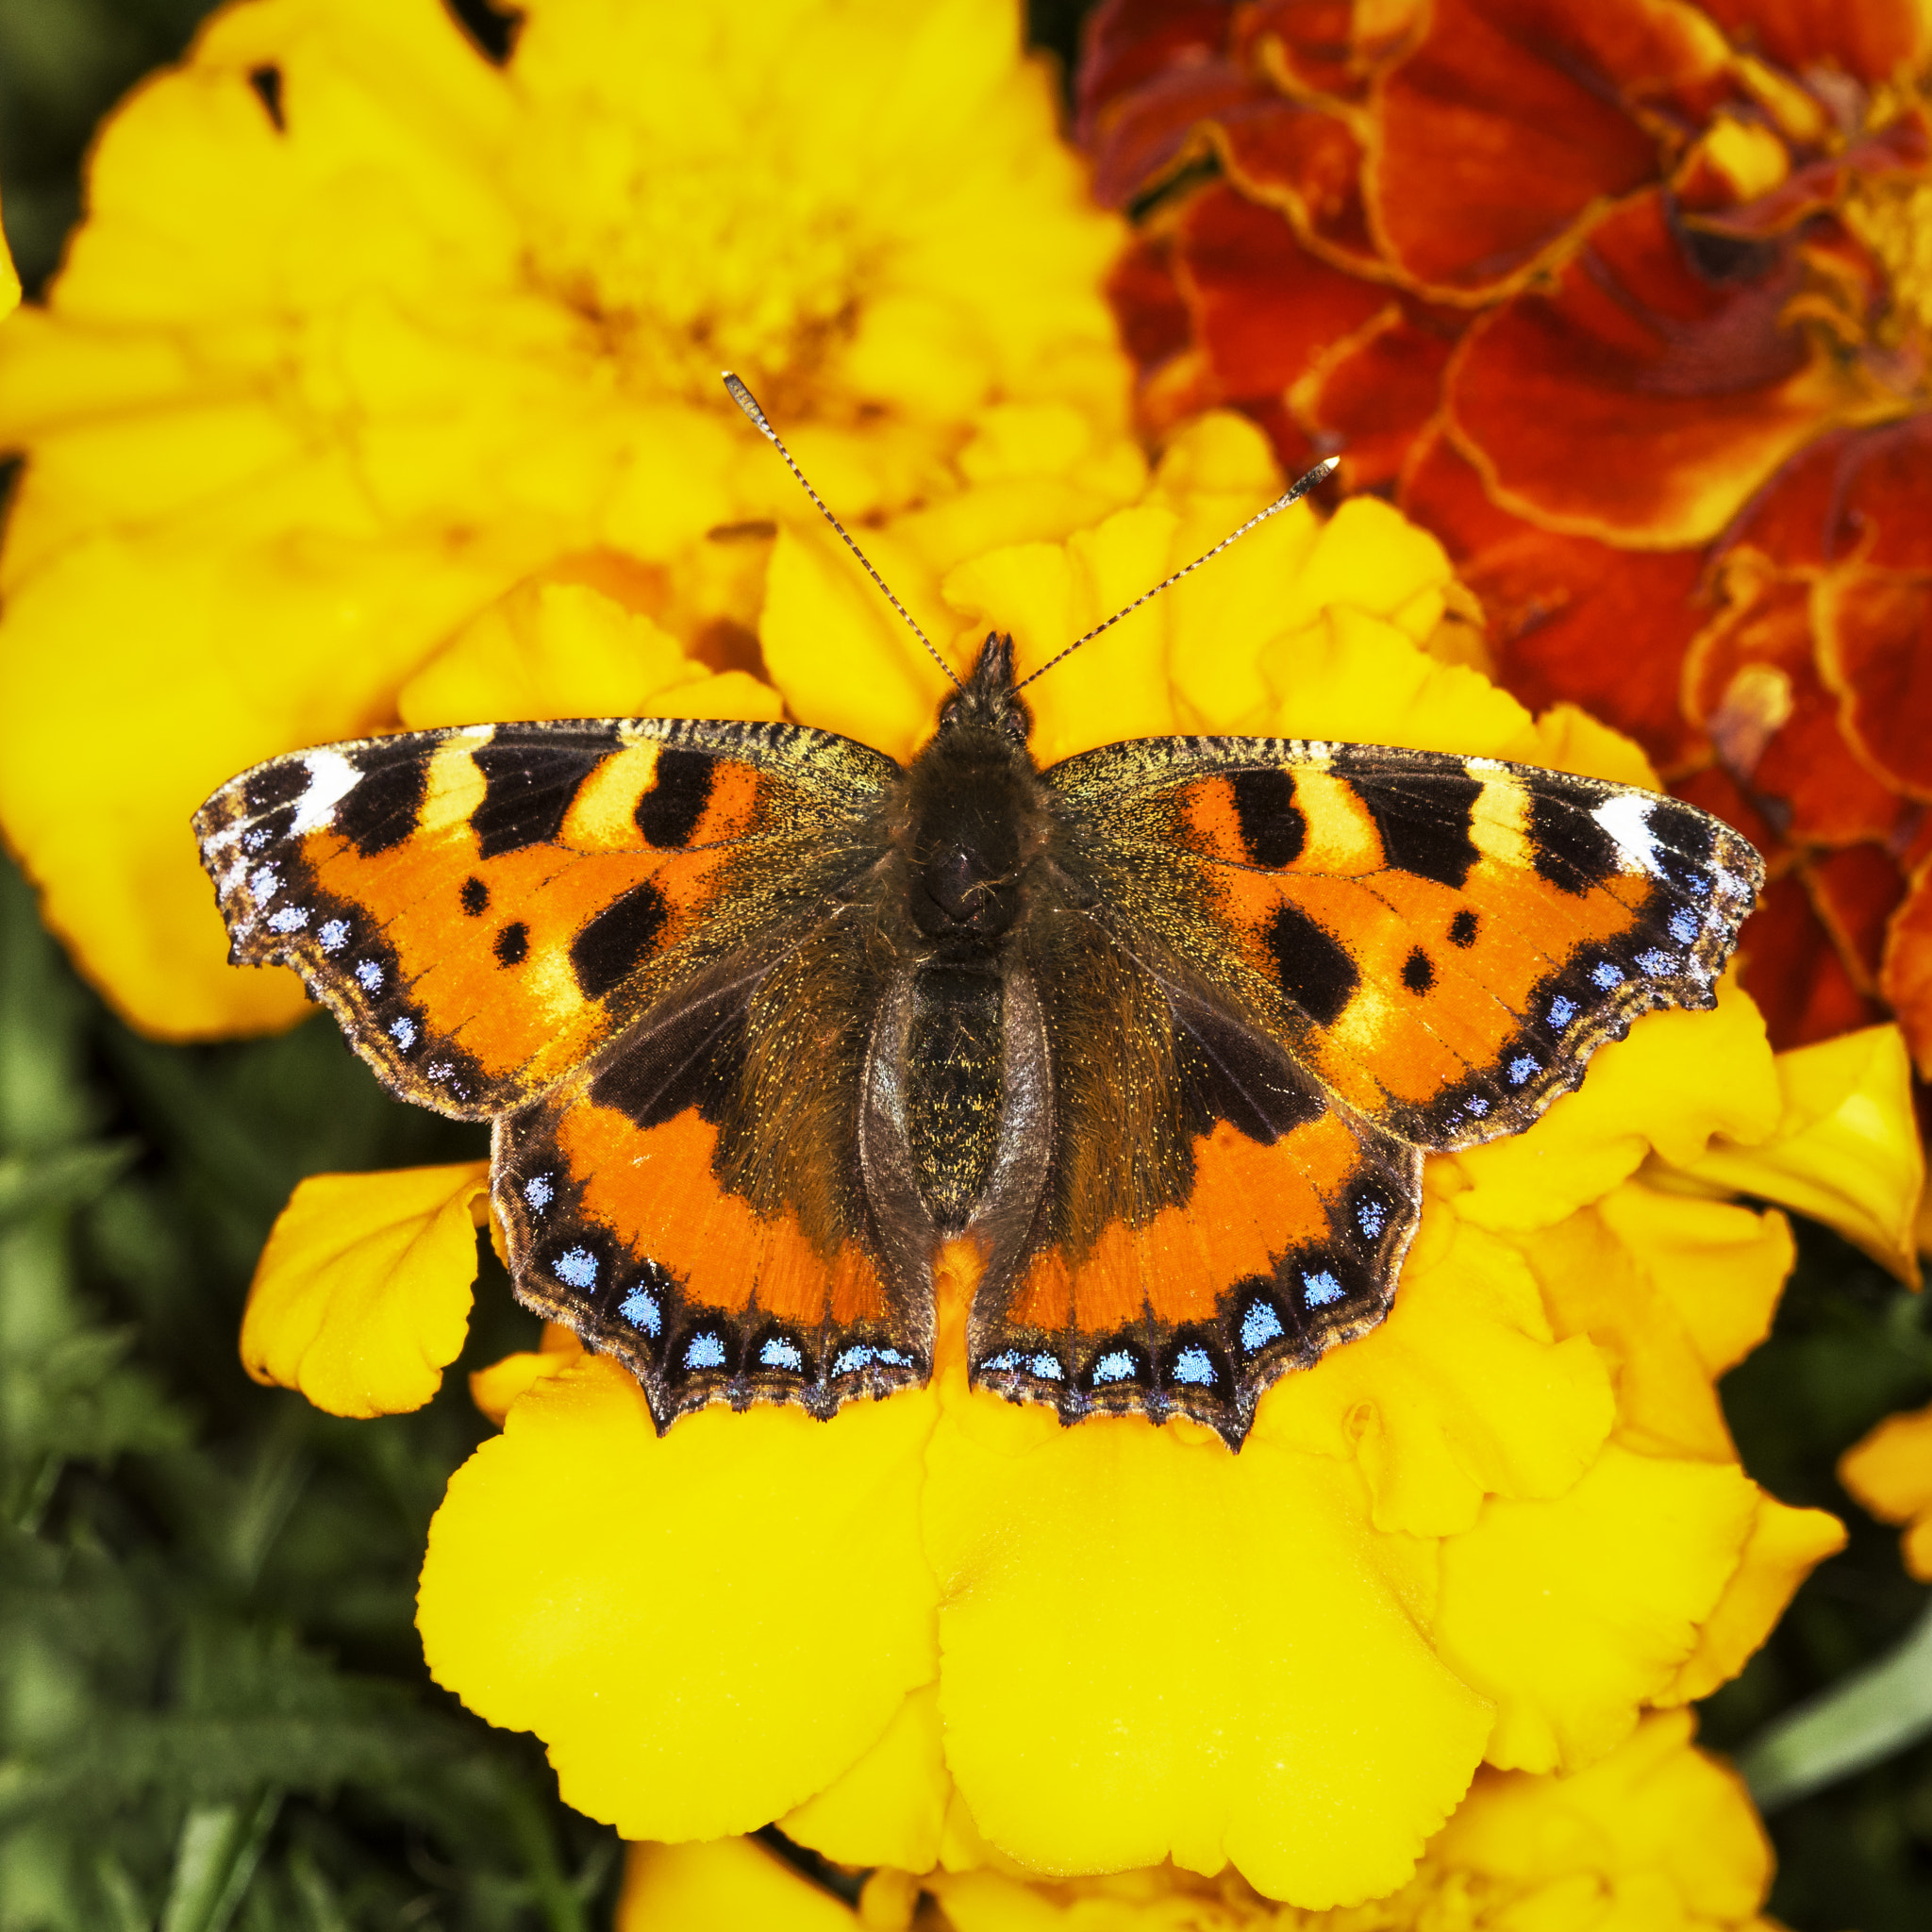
(763, 1021)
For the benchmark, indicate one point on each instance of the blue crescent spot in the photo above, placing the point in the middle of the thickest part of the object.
(1521, 1067)
(1373, 1217)
(538, 1191)
(1116, 1365)
(1478, 1106)
(263, 880)
(1046, 1367)
(402, 1031)
(575, 1268)
(856, 1357)
(1259, 1327)
(1194, 1365)
(1317, 1291)
(1603, 975)
(1002, 1364)
(289, 919)
(779, 1353)
(1657, 963)
(334, 935)
(1561, 1012)
(639, 1309)
(368, 975)
(704, 1351)
(1685, 925)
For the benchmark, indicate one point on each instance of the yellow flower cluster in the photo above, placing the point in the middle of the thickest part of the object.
(1654, 1838)
(363, 333)
(943, 1631)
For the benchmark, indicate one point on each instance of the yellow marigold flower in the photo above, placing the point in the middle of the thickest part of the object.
(1655, 1837)
(362, 333)
(943, 1629)
(1890, 1474)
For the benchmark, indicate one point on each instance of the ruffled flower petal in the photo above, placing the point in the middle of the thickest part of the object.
(1605, 357)
(1113, 1698)
(706, 1626)
(1655, 1837)
(361, 1297)
(1845, 1149)
(1889, 1472)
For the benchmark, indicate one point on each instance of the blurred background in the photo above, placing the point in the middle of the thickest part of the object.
(211, 1686)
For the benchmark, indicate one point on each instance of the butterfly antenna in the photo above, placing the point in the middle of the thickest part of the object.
(1294, 494)
(749, 404)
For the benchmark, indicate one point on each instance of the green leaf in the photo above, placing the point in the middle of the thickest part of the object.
(1863, 1719)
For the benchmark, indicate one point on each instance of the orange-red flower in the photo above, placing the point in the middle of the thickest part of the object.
(1631, 304)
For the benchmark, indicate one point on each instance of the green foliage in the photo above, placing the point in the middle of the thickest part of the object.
(213, 1711)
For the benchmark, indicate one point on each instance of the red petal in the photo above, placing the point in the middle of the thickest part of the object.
(1144, 136)
(1855, 891)
(1264, 307)
(1569, 617)
(1907, 977)
(1791, 967)
(1870, 39)
(1505, 123)
(1853, 490)
(1646, 395)
(1302, 159)
(1126, 43)
(1376, 392)
(1874, 648)
(1751, 679)
(1324, 46)
(1147, 303)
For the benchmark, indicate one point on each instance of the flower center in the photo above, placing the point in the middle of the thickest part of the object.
(727, 258)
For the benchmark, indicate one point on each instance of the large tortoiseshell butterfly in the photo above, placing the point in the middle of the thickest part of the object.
(764, 1020)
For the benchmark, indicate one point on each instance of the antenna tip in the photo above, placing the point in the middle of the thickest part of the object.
(744, 399)
(1306, 482)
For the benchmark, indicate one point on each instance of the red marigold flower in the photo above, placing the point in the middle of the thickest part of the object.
(1631, 304)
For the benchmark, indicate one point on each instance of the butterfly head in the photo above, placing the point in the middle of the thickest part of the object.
(988, 700)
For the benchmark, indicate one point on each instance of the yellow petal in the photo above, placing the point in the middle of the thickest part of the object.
(1679, 1079)
(1462, 1394)
(10, 280)
(1845, 1150)
(565, 650)
(704, 1627)
(1572, 1613)
(729, 1885)
(1722, 1268)
(1784, 1547)
(1651, 1806)
(492, 1389)
(1259, 1693)
(1114, 687)
(1889, 1472)
(889, 1808)
(838, 650)
(361, 1297)
(1351, 674)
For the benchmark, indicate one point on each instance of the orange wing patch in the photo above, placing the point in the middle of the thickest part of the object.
(1445, 940)
(483, 909)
